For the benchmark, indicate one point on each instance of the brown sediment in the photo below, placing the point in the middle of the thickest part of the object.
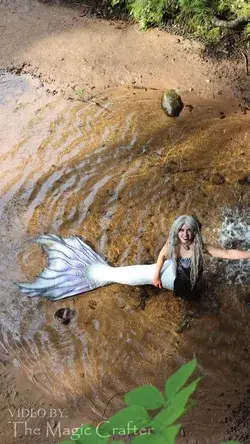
(117, 175)
(103, 176)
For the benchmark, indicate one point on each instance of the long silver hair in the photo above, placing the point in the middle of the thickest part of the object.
(173, 240)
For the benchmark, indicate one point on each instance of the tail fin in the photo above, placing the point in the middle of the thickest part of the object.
(67, 273)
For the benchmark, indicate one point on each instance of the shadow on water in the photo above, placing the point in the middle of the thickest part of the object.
(118, 175)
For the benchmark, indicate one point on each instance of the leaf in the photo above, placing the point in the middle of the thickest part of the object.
(167, 416)
(179, 378)
(130, 420)
(171, 433)
(156, 438)
(81, 431)
(87, 434)
(147, 396)
(183, 395)
(230, 442)
(175, 409)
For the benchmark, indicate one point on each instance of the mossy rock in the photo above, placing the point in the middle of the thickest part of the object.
(172, 103)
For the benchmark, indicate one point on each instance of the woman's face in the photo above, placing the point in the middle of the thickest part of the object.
(185, 235)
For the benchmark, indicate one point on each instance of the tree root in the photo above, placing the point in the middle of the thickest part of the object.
(231, 24)
(246, 62)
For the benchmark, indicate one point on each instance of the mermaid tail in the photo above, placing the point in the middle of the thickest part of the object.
(74, 268)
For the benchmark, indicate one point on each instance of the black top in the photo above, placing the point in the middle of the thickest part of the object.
(182, 284)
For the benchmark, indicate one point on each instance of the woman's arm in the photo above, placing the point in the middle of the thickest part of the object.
(226, 254)
(160, 261)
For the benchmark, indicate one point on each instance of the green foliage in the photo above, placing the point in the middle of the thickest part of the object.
(247, 30)
(228, 9)
(121, 421)
(198, 7)
(195, 16)
(147, 396)
(177, 381)
(192, 16)
(87, 434)
(137, 419)
(229, 442)
(147, 12)
(238, 7)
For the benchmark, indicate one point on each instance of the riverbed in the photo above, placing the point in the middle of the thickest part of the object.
(116, 171)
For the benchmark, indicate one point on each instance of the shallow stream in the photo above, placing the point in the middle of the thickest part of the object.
(116, 170)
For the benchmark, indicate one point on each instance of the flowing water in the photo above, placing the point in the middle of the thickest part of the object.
(116, 171)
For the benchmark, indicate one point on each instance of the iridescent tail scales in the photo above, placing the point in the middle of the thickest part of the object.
(68, 273)
(74, 268)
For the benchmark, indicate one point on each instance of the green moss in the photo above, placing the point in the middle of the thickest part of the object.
(247, 31)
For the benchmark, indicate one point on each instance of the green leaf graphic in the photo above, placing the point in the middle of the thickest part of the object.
(230, 442)
(171, 433)
(156, 438)
(175, 409)
(179, 378)
(167, 416)
(87, 434)
(147, 396)
(183, 395)
(129, 419)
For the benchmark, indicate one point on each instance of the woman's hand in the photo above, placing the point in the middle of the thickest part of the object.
(157, 282)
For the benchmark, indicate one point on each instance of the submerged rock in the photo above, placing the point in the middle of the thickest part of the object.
(244, 180)
(218, 179)
(172, 103)
(64, 315)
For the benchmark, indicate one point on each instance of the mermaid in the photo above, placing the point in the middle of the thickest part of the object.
(74, 268)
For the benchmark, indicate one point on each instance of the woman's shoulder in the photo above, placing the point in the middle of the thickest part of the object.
(166, 250)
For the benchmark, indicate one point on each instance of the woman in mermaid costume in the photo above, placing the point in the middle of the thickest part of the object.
(74, 268)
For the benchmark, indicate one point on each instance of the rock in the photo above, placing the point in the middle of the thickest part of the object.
(172, 103)
(245, 180)
(64, 315)
(218, 179)
(189, 107)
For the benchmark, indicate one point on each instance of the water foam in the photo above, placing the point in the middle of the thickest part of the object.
(235, 233)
